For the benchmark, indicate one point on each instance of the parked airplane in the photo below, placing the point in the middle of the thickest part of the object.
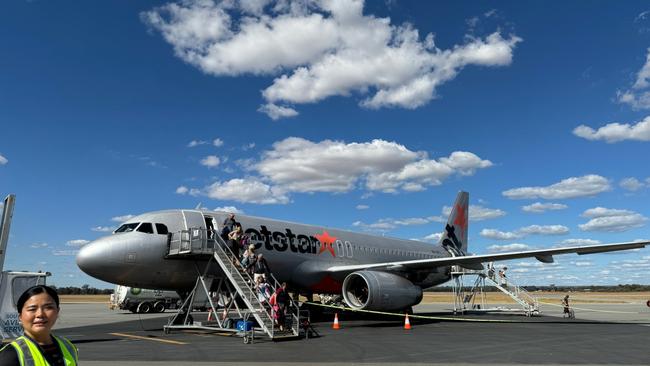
(371, 272)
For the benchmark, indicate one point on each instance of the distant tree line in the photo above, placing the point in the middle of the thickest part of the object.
(552, 287)
(83, 290)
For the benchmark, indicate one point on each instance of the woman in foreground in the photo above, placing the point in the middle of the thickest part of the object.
(38, 309)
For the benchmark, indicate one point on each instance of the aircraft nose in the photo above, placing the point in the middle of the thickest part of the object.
(95, 258)
(89, 257)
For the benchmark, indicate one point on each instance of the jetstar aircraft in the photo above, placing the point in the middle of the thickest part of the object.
(371, 272)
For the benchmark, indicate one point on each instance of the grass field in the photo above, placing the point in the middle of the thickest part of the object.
(550, 297)
(84, 298)
(490, 297)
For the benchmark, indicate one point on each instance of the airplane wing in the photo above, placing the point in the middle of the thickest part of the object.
(474, 261)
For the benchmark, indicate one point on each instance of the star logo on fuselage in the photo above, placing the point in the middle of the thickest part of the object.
(326, 242)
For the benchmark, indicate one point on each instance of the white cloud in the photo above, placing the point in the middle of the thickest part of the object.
(217, 142)
(103, 229)
(39, 245)
(478, 213)
(638, 96)
(580, 242)
(582, 264)
(319, 49)
(383, 225)
(435, 237)
(615, 132)
(631, 184)
(362, 207)
(300, 165)
(276, 112)
(508, 248)
(232, 209)
(210, 161)
(194, 143)
(524, 231)
(247, 191)
(500, 235)
(588, 185)
(3, 160)
(612, 220)
(544, 230)
(66, 252)
(539, 207)
(77, 242)
(122, 218)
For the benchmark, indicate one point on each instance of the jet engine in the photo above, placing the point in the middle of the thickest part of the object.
(375, 290)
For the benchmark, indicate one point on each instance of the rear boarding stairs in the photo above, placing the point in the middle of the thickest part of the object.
(232, 297)
(473, 298)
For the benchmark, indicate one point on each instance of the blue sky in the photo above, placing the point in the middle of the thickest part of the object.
(368, 117)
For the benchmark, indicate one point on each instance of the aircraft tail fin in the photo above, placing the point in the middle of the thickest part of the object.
(454, 238)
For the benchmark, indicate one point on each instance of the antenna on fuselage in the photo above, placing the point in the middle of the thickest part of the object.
(198, 207)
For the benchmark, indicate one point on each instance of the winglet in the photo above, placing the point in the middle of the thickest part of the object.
(454, 238)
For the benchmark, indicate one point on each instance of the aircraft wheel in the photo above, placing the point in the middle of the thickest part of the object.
(159, 307)
(144, 308)
(648, 303)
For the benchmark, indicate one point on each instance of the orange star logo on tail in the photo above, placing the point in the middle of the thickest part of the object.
(461, 217)
(326, 242)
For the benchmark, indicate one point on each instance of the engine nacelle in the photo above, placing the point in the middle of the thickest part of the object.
(375, 290)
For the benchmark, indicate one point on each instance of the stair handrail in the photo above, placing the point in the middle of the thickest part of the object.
(275, 285)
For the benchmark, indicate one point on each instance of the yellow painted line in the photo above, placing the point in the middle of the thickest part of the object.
(147, 338)
(414, 316)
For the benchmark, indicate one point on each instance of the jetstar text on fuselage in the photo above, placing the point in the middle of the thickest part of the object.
(297, 243)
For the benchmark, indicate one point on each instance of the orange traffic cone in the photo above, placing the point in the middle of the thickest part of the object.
(336, 321)
(407, 323)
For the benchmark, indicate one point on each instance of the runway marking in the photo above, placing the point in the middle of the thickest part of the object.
(147, 338)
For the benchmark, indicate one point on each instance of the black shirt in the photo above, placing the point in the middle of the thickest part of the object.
(52, 353)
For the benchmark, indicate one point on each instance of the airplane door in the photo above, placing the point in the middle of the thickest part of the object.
(193, 219)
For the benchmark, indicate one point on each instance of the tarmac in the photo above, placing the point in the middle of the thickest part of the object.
(612, 334)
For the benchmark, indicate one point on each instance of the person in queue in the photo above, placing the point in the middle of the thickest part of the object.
(38, 310)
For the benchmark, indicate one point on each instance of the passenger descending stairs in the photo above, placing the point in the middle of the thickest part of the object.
(241, 281)
(468, 299)
(194, 243)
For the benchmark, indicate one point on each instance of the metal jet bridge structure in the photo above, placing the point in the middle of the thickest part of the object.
(231, 296)
(472, 298)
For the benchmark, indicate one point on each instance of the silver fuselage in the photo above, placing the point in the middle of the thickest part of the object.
(296, 253)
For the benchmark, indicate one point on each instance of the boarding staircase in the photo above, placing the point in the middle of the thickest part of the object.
(474, 297)
(236, 284)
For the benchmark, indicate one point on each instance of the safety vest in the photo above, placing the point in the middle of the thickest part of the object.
(30, 355)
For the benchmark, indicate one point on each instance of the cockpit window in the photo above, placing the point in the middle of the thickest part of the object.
(127, 227)
(146, 227)
(162, 229)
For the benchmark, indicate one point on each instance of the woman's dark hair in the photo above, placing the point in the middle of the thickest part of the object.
(36, 290)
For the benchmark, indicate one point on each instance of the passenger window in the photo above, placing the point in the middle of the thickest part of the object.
(145, 227)
(162, 229)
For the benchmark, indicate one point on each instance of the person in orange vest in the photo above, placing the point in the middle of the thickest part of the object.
(38, 309)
